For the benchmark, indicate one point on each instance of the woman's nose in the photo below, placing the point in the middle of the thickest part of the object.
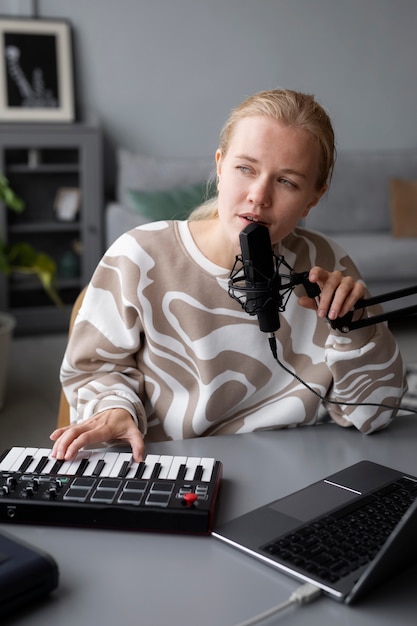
(260, 193)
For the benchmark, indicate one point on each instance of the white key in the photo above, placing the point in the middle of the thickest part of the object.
(41, 452)
(166, 461)
(72, 467)
(132, 469)
(121, 458)
(208, 465)
(192, 463)
(19, 460)
(150, 461)
(49, 465)
(10, 458)
(175, 467)
(109, 459)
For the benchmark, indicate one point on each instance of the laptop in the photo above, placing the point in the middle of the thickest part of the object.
(26, 574)
(346, 534)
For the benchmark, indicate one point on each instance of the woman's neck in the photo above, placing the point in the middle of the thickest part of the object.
(210, 239)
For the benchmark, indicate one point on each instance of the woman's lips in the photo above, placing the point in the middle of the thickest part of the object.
(253, 219)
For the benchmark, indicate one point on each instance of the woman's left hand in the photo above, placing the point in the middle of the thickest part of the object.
(338, 295)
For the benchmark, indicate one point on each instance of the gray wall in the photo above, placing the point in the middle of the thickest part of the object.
(161, 75)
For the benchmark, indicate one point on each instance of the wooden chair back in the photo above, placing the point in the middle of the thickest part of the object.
(63, 410)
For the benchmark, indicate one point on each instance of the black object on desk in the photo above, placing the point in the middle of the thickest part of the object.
(109, 490)
(26, 574)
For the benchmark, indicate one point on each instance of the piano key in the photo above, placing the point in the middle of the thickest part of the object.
(181, 472)
(96, 467)
(155, 471)
(70, 467)
(208, 465)
(175, 467)
(11, 458)
(165, 462)
(124, 470)
(150, 461)
(56, 467)
(100, 465)
(42, 462)
(20, 461)
(40, 453)
(168, 468)
(26, 464)
(192, 462)
(47, 468)
(82, 467)
(113, 462)
(136, 470)
(198, 472)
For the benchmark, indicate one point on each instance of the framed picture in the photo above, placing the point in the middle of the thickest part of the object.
(36, 71)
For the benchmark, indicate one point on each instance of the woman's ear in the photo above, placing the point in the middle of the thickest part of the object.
(218, 161)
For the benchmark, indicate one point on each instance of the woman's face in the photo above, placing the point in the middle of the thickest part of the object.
(268, 175)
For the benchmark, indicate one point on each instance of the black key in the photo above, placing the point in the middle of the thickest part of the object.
(140, 469)
(28, 460)
(198, 472)
(57, 466)
(124, 469)
(181, 472)
(99, 468)
(82, 467)
(156, 470)
(40, 466)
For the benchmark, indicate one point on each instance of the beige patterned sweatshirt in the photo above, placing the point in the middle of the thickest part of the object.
(159, 335)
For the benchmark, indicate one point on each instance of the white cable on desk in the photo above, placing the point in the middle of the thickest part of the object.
(302, 595)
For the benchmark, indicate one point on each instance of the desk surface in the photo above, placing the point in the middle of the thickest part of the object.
(113, 577)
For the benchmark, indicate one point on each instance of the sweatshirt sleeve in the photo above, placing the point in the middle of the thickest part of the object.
(367, 368)
(365, 364)
(99, 369)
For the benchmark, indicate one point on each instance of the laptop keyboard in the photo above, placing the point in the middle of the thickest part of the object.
(336, 545)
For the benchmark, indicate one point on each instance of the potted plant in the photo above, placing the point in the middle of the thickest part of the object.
(20, 258)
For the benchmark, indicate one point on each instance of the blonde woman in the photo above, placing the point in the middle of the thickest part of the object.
(160, 351)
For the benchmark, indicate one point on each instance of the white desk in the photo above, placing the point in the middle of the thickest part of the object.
(126, 578)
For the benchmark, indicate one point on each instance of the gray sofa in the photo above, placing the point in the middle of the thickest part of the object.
(356, 212)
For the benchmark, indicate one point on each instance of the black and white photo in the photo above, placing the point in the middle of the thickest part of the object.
(36, 73)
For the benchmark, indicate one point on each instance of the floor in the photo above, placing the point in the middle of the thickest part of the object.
(33, 391)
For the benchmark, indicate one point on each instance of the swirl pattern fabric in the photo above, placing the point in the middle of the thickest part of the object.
(159, 335)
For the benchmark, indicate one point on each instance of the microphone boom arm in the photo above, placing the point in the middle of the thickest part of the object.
(346, 323)
(239, 291)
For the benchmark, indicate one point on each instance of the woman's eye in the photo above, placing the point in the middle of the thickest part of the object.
(244, 169)
(286, 182)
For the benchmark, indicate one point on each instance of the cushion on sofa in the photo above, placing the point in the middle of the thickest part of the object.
(404, 208)
(171, 204)
(144, 173)
(358, 199)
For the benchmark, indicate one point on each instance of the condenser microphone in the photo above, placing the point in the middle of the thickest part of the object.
(260, 276)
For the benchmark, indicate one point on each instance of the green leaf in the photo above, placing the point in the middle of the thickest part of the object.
(22, 257)
(9, 197)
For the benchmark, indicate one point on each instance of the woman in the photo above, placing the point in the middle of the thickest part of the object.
(160, 349)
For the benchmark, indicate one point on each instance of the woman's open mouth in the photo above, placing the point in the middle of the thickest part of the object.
(253, 219)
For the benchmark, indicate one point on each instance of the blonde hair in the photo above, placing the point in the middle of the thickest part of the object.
(288, 107)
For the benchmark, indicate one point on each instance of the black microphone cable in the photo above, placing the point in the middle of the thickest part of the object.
(273, 346)
(276, 290)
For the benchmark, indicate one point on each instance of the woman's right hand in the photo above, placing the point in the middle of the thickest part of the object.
(103, 427)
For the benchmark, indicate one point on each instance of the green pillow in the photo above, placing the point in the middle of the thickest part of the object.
(171, 204)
